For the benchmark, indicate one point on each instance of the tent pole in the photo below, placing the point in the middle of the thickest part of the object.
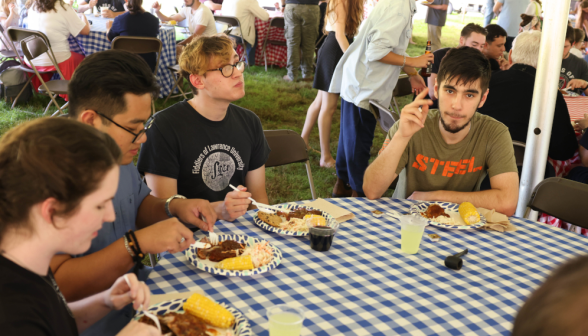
(545, 92)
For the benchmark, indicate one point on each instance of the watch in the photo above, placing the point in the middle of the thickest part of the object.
(169, 201)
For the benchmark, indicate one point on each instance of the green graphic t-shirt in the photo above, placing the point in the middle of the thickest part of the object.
(431, 164)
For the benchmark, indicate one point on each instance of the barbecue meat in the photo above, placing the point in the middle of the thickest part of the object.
(164, 328)
(220, 255)
(185, 324)
(229, 245)
(299, 213)
(434, 210)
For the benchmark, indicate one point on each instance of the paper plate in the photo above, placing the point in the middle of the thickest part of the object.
(240, 328)
(208, 266)
(452, 210)
(331, 222)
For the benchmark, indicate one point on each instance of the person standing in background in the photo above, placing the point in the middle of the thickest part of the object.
(214, 5)
(489, 13)
(436, 17)
(302, 20)
(510, 17)
(342, 21)
(246, 11)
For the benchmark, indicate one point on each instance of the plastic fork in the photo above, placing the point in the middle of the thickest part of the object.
(213, 237)
(261, 205)
(146, 313)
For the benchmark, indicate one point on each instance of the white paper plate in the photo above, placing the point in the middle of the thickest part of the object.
(331, 222)
(452, 210)
(209, 266)
(240, 328)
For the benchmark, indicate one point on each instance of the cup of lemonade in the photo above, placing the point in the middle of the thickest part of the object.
(285, 320)
(411, 233)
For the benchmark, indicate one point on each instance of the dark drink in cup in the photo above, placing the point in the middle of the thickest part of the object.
(321, 238)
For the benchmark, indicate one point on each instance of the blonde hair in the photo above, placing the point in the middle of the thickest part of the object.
(354, 9)
(196, 57)
(4, 6)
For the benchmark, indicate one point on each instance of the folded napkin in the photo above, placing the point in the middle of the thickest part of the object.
(340, 214)
(496, 221)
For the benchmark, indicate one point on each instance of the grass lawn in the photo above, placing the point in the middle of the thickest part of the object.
(279, 105)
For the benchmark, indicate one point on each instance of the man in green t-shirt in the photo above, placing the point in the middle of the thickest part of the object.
(446, 153)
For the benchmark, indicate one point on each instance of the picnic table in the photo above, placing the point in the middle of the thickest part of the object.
(366, 286)
(97, 41)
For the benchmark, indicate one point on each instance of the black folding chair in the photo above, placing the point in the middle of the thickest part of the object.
(562, 198)
(233, 22)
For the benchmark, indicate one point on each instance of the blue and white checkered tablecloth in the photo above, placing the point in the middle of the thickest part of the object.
(366, 286)
(97, 41)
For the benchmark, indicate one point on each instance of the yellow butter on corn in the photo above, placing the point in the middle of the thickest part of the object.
(468, 213)
(315, 220)
(209, 311)
(236, 263)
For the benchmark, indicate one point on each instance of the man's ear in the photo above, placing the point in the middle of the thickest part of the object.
(197, 81)
(90, 117)
(484, 97)
(461, 40)
(510, 57)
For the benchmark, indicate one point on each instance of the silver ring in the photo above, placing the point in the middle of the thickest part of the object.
(182, 240)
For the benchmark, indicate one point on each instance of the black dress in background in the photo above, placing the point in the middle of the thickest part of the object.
(328, 57)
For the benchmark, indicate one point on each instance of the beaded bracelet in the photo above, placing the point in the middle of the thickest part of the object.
(133, 244)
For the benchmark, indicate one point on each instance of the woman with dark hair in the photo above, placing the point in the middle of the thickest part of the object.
(342, 21)
(58, 181)
(135, 22)
(57, 20)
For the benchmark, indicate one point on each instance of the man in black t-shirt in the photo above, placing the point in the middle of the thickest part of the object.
(580, 174)
(494, 48)
(574, 70)
(472, 35)
(198, 147)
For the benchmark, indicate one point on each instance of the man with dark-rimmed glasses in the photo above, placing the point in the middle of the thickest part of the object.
(198, 147)
(112, 91)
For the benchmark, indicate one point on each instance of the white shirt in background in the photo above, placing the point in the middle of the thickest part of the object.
(57, 25)
(246, 11)
(202, 16)
(576, 52)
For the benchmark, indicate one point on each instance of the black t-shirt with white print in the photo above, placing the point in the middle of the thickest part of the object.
(113, 5)
(572, 67)
(204, 156)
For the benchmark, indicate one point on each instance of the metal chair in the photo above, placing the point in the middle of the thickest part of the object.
(269, 8)
(140, 45)
(9, 52)
(519, 151)
(386, 118)
(15, 35)
(233, 22)
(277, 22)
(175, 70)
(288, 147)
(561, 198)
(403, 88)
(33, 47)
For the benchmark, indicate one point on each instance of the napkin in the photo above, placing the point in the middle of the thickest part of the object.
(496, 221)
(341, 215)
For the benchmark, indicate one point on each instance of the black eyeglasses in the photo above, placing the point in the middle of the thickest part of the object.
(137, 135)
(228, 69)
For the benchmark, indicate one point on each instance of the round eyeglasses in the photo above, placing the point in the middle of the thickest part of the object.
(227, 70)
(148, 124)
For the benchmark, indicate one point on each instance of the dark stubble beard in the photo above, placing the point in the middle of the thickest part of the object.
(453, 130)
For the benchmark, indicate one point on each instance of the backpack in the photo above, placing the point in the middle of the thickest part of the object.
(12, 81)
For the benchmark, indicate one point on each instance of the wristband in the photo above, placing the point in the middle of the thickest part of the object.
(412, 74)
(403, 60)
(131, 253)
(169, 201)
(133, 244)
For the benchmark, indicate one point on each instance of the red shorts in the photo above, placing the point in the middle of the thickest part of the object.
(67, 68)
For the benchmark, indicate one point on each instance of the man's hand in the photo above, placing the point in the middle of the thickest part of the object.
(236, 204)
(165, 236)
(577, 84)
(121, 293)
(503, 63)
(581, 124)
(191, 210)
(108, 14)
(413, 115)
(421, 61)
(418, 196)
(108, 24)
(156, 6)
(417, 83)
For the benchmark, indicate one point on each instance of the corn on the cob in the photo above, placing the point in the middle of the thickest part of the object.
(468, 212)
(237, 263)
(209, 311)
(315, 220)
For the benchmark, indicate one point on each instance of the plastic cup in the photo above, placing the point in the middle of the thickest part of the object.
(321, 237)
(285, 320)
(411, 233)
